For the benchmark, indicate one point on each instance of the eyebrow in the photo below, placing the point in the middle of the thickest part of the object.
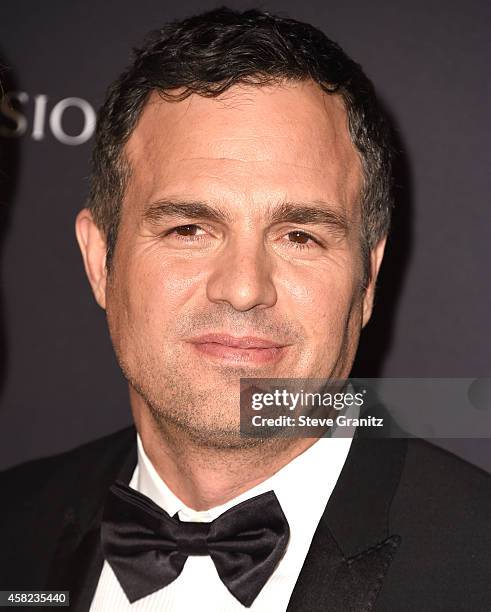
(310, 214)
(317, 213)
(170, 208)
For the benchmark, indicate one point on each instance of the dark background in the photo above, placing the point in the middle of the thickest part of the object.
(59, 382)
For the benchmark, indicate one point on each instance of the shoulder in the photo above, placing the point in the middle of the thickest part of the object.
(23, 484)
(446, 483)
(442, 496)
(442, 512)
(45, 498)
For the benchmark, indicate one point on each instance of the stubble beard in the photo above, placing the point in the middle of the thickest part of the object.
(208, 418)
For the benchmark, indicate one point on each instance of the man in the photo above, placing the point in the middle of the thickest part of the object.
(239, 208)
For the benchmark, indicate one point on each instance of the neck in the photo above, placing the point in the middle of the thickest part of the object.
(204, 477)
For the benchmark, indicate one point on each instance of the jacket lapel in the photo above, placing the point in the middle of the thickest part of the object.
(353, 548)
(78, 560)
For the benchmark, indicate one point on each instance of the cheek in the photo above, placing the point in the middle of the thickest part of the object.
(151, 290)
(321, 299)
(327, 304)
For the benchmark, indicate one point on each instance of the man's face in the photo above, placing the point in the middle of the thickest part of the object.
(240, 224)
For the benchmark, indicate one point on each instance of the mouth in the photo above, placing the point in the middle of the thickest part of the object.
(246, 349)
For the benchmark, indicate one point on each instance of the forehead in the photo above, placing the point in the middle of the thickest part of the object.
(254, 144)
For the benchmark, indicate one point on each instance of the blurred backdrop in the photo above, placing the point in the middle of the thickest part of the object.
(59, 382)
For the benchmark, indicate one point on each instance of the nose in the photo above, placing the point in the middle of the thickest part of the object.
(242, 276)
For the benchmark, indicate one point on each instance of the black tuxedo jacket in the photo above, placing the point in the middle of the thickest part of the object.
(407, 528)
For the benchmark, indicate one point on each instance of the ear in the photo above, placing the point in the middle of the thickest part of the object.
(92, 244)
(376, 256)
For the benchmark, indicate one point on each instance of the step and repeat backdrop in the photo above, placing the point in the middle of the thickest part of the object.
(59, 381)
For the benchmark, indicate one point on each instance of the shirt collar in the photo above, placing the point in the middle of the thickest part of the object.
(303, 486)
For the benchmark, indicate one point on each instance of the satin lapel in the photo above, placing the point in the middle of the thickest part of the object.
(78, 560)
(331, 583)
(353, 548)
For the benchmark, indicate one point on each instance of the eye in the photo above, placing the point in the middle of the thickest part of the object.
(300, 239)
(187, 233)
(186, 230)
(189, 237)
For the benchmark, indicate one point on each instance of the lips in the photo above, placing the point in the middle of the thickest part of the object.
(245, 342)
(246, 349)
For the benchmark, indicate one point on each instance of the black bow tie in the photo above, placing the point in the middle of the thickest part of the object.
(147, 549)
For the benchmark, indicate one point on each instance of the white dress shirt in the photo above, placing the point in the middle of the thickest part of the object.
(303, 488)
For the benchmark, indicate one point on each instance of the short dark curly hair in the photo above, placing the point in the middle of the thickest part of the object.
(208, 53)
